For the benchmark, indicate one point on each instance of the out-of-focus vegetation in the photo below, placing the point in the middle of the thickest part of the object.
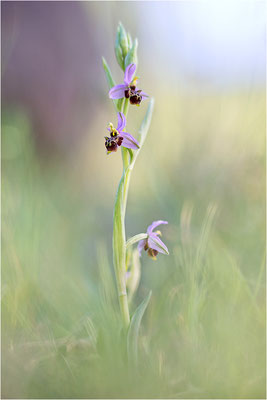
(203, 333)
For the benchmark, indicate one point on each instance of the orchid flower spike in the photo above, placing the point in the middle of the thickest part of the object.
(119, 138)
(152, 244)
(128, 89)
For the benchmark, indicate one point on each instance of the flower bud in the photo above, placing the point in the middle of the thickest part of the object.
(131, 57)
(118, 50)
(123, 40)
(122, 44)
(130, 43)
(119, 56)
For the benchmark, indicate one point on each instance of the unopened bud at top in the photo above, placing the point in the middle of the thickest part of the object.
(123, 38)
(122, 44)
(125, 49)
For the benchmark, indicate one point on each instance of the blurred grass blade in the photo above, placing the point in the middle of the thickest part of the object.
(111, 83)
(107, 287)
(205, 232)
(133, 333)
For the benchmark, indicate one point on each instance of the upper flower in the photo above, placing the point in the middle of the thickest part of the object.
(152, 244)
(128, 89)
(119, 138)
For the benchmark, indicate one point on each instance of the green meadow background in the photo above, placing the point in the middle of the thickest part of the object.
(202, 168)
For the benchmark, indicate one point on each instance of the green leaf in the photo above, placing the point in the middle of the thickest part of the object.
(111, 83)
(146, 122)
(143, 131)
(109, 77)
(132, 55)
(133, 332)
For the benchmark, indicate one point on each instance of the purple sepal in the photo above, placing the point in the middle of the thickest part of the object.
(154, 225)
(155, 243)
(117, 92)
(129, 141)
(144, 95)
(129, 74)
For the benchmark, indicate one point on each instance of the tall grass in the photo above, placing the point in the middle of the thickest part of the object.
(203, 334)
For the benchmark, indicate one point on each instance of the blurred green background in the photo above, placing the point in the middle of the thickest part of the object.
(202, 169)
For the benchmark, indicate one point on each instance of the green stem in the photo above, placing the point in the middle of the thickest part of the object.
(119, 253)
(126, 107)
(126, 188)
(119, 241)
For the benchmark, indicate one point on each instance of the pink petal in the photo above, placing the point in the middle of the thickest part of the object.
(155, 243)
(117, 92)
(154, 225)
(129, 141)
(144, 95)
(129, 74)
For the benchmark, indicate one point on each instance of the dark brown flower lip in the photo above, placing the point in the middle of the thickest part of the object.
(151, 252)
(134, 95)
(135, 98)
(112, 143)
(118, 137)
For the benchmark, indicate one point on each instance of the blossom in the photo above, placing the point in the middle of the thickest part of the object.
(152, 244)
(128, 89)
(119, 138)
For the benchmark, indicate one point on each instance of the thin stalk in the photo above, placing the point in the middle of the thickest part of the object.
(135, 239)
(119, 253)
(124, 151)
(119, 241)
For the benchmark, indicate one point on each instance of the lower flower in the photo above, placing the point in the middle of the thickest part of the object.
(152, 244)
(118, 137)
